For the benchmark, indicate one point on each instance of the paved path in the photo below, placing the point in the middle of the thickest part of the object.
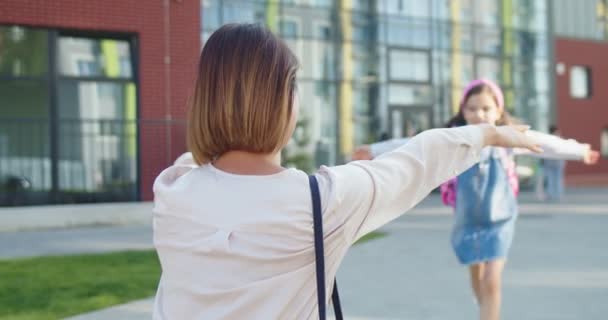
(558, 268)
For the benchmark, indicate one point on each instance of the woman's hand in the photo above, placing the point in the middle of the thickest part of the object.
(513, 136)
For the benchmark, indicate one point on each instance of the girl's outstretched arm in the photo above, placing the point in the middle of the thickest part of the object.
(365, 195)
(555, 147)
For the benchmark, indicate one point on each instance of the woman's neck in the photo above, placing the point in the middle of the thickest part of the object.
(248, 163)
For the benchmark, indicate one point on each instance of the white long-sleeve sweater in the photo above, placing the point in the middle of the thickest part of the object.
(241, 247)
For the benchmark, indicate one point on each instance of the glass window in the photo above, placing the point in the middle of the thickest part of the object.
(542, 110)
(541, 75)
(360, 5)
(24, 134)
(245, 12)
(210, 14)
(23, 51)
(362, 27)
(442, 37)
(302, 52)
(322, 60)
(580, 82)
(488, 68)
(457, 36)
(604, 143)
(409, 65)
(520, 72)
(529, 44)
(363, 67)
(530, 15)
(98, 135)
(462, 67)
(361, 33)
(82, 57)
(465, 10)
(289, 28)
(488, 41)
(23, 99)
(487, 12)
(321, 3)
(408, 32)
(401, 94)
(97, 156)
(441, 67)
(314, 139)
(409, 121)
(323, 32)
(409, 8)
(96, 100)
(464, 38)
(442, 9)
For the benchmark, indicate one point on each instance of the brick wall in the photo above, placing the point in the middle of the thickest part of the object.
(163, 27)
(583, 119)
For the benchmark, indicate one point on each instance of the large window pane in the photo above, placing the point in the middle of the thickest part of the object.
(411, 8)
(488, 68)
(409, 32)
(24, 137)
(23, 99)
(96, 100)
(323, 60)
(23, 51)
(462, 67)
(541, 75)
(464, 10)
(530, 14)
(488, 41)
(604, 143)
(487, 12)
(580, 82)
(314, 139)
(247, 12)
(364, 100)
(530, 45)
(210, 15)
(400, 94)
(84, 57)
(365, 63)
(97, 156)
(409, 66)
(97, 131)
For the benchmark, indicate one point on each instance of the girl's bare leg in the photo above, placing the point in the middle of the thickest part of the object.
(491, 286)
(476, 272)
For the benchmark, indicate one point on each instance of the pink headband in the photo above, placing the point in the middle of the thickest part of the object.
(495, 90)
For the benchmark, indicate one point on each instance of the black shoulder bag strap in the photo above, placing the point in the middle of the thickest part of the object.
(320, 255)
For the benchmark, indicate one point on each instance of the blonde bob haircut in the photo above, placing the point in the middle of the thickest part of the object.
(243, 98)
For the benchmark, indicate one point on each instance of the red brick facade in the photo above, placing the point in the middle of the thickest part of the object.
(583, 119)
(163, 27)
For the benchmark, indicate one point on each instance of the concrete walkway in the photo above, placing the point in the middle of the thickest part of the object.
(15, 219)
(558, 268)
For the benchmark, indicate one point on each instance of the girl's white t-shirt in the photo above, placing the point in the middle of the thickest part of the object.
(242, 247)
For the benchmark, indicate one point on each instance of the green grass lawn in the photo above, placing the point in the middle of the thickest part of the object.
(57, 287)
(371, 236)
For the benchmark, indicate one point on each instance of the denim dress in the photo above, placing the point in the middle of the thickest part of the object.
(485, 211)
